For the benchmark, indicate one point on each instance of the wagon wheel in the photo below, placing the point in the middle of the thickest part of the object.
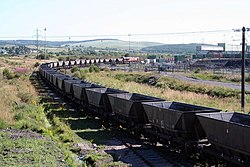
(153, 140)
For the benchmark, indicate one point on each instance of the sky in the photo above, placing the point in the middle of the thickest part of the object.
(118, 18)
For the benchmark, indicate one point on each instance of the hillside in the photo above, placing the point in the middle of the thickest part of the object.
(115, 43)
(172, 48)
(98, 43)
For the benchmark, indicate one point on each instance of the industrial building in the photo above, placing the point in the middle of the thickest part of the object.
(222, 50)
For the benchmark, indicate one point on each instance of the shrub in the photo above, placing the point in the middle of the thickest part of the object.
(197, 70)
(106, 69)
(77, 74)
(94, 68)
(74, 69)
(61, 58)
(25, 97)
(40, 56)
(247, 78)
(217, 77)
(8, 74)
(36, 64)
(171, 83)
(91, 69)
(3, 124)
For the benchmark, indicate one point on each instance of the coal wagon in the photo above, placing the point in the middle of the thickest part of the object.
(229, 134)
(175, 121)
(68, 85)
(128, 110)
(98, 98)
(80, 91)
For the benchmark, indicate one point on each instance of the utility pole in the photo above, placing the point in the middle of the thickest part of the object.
(243, 63)
(37, 36)
(45, 43)
(243, 71)
(129, 42)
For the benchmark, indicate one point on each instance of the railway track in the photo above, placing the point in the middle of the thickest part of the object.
(172, 119)
(133, 152)
(139, 154)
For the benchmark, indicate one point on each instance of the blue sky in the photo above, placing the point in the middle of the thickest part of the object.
(95, 17)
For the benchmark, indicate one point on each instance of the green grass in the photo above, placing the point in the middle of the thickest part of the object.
(71, 127)
(175, 84)
(232, 78)
(118, 44)
(227, 103)
(22, 111)
(26, 148)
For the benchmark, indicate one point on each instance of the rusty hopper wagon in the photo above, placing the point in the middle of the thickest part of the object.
(175, 121)
(128, 109)
(229, 134)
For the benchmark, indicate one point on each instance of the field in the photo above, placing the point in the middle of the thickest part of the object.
(35, 130)
(20, 110)
(234, 78)
(226, 100)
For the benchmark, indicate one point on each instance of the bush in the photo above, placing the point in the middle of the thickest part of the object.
(40, 56)
(74, 69)
(197, 70)
(170, 83)
(94, 68)
(77, 74)
(247, 78)
(106, 69)
(25, 97)
(91, 69)
(217, 77)
(3, 124)
(8, 74)
(61, 58)
(36, 64)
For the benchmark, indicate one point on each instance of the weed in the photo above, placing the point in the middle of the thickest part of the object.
(94, 68)
(25, 97)
(8, 74)
(74, 69)
(3, 124)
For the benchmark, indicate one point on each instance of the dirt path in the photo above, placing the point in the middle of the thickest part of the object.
(213, 83)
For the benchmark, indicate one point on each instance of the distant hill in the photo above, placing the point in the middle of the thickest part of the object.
(115, 43)
(148, 47)
(33, 42)
(172, 48)
(98, 43)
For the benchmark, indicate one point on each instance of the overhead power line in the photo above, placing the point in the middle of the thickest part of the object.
(123, 35)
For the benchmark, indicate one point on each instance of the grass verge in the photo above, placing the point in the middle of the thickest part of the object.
(107, 79)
